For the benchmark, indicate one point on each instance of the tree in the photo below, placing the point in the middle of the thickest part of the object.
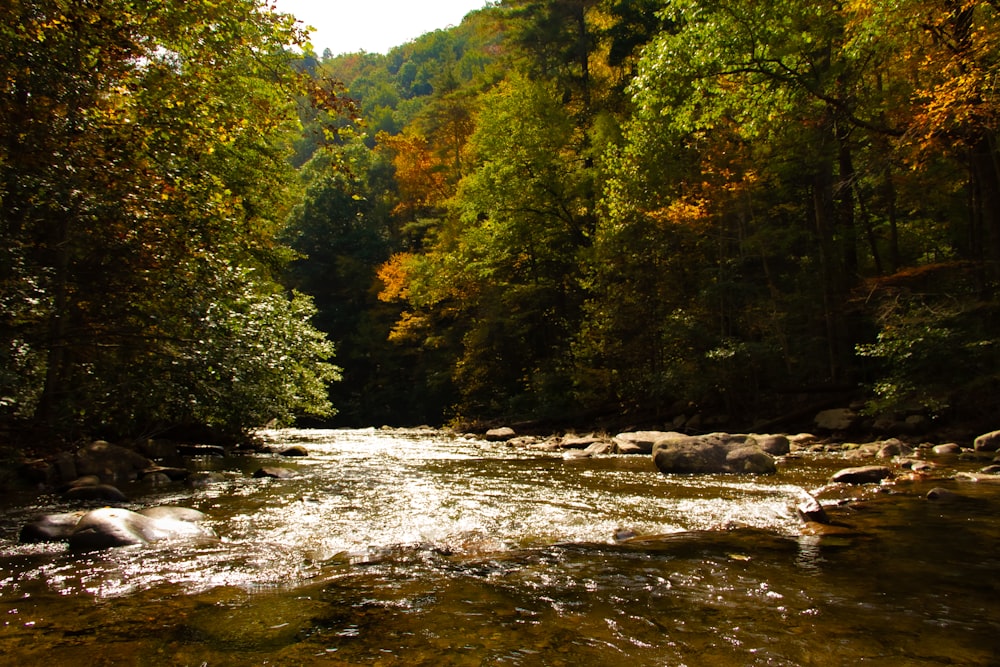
(143, 178)
(498, 287)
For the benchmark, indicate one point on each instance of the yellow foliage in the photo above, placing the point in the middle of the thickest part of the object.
(394, 275)
(408, 328)
(684, 213)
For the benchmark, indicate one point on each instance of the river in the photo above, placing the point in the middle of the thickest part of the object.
(417, 547)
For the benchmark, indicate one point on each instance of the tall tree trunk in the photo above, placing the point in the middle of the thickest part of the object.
(846, 223)
(985, 175)
(824, 216)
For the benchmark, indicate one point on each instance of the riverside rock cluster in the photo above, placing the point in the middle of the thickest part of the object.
(758, 454)
(92, 476)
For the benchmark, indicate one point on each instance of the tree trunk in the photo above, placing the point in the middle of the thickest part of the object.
(985, 176)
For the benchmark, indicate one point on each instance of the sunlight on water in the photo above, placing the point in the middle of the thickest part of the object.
(416, 547)
(360, 493)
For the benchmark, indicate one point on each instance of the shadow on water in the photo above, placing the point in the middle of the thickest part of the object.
(431, 551)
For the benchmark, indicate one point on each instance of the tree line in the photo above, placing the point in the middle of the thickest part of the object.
(648, 208)
(559, 209)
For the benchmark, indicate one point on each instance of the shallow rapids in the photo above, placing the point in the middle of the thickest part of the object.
(417, 547)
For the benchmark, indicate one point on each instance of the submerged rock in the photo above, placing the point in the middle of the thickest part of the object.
(275, 473)
(111, 463)
(945, 496)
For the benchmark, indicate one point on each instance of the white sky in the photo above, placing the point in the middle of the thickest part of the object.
(375, 26)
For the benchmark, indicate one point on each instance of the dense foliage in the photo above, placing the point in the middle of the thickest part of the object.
(646, 209)
(144, 176)
(654, 208)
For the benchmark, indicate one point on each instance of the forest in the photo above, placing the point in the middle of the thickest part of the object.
(558, 212)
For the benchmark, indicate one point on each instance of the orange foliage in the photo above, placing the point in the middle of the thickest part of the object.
(420, 174)
(683, 212)
(394, 275)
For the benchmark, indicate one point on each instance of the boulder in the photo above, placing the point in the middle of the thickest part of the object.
(810, 511)
(641, 442)
(114, 527)
(500, 434)
(987, 442)
(892, 448)
(817, 529)
(50, 528)
(578, 441)
(946, 449)
(600, 448)
(861, 475)
(775, 445)
(570, 454)
(101, 492)
(712, 453)
(916, 465)
(112, 463)
(295, 450)
(749, 459)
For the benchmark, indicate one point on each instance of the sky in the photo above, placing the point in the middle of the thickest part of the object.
(375, 26)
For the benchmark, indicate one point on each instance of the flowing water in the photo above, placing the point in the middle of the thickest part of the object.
(419, 548)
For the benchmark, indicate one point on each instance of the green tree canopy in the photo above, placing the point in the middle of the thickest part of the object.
(143, 178)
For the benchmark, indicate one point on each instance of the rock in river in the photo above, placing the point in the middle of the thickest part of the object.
(115, 527)
(713, 453)
(500, 434)
(987, 442)
(100, 492)
(275, 472)
(861, 475)
(50, 528)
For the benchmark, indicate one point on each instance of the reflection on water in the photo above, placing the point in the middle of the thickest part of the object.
(412, 548)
